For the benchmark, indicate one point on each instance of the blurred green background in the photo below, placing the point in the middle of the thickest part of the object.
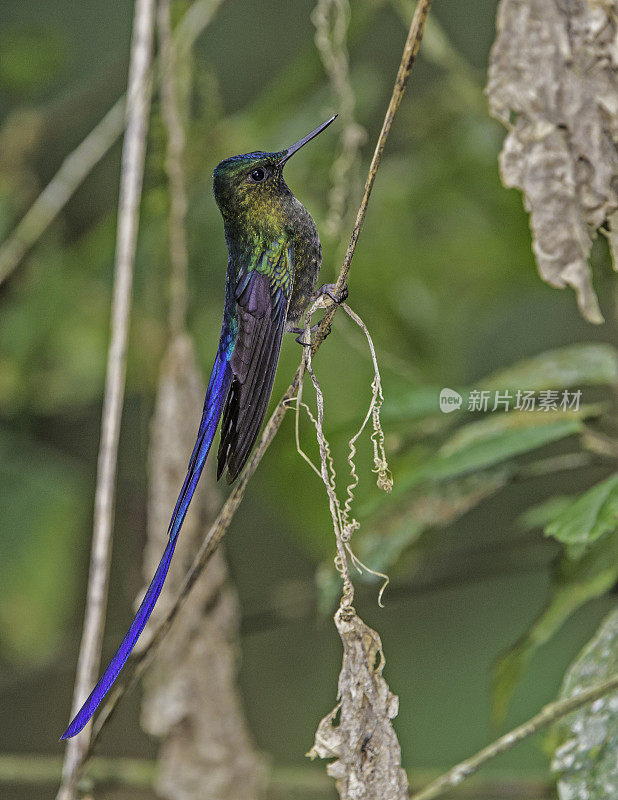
(444, 278)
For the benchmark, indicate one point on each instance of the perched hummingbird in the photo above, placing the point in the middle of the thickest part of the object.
(272, 270)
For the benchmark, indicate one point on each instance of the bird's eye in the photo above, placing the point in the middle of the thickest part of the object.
(258, 175)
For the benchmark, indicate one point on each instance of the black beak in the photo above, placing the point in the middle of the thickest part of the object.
(301, 142)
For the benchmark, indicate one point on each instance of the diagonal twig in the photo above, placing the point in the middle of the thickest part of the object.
(135, 667)
(133, 155)
(78, 164)
(410, 51)
(73, 170)
(546, 716)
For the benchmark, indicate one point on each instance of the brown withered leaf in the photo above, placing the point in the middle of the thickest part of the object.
(553, 82)
(358, 732)
(191, 701)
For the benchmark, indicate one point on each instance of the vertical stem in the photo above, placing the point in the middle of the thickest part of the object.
(175, 171)
(138, 106)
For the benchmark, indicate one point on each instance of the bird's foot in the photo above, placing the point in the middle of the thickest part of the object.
(326, 290)
(301, 333)
(329, 289)
(313, 329)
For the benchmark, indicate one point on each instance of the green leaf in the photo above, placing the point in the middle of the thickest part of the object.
(573, 366)
(415, 404)
(585, 759)
(573, 584)
(483, 444)
(578, 365)
(492, 441)
(591, 516)
(528, 427)
(538, 516)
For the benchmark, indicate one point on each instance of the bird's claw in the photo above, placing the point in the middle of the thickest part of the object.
(328, 289)
(301, 333)
(312, 329)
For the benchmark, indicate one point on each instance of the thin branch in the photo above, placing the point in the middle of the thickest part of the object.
(134, 149)
(73, 170)
(78, 164)
(33, 769)
(179, 256)
(410, 51)
(135, 667)
(466, 82)
(548, 715)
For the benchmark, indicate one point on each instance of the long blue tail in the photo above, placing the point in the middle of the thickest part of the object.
(215, 396)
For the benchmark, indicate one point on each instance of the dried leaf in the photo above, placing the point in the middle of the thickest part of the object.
(586, 758)
(553, 83)
(358, 732)
(191, 701)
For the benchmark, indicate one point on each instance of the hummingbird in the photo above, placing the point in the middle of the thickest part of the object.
(274, 256)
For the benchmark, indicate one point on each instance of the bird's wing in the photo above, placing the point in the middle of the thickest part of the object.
(256, 304)
(262, 297)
